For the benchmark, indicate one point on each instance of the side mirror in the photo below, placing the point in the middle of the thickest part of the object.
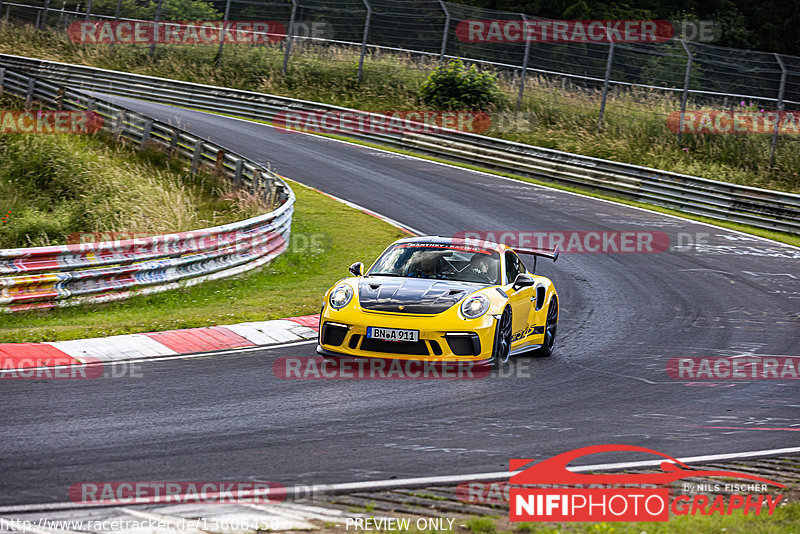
(357, 269)
(523, 280)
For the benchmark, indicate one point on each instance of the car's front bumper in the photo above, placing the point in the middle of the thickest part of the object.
(442, 337)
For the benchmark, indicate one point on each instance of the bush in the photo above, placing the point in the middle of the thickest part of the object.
(454, 87)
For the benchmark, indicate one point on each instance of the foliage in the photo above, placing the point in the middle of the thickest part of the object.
(179, 10)
(454, 87)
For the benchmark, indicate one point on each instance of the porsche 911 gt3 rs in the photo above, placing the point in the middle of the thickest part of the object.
(443, 299)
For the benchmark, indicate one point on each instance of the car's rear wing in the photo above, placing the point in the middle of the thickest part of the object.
(537, 253)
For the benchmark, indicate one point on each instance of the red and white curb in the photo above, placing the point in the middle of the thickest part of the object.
(152, 344)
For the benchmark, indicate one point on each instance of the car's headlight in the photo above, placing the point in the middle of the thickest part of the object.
(475, 306)
(341, 296)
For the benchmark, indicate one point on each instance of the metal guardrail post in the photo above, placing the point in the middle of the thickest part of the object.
(43, 13)
(445, 31)
(173, 141)
(364, 39)
(289, 37)
(685, 94)
(88, 9)
(605, 84)
(118, 125)
(118, 12)
(29, 92)
(524, 64)
(255, 180)
(148, 127)
(219, 163)
(237, 174)
(197, 154)
(222, 31)
(90, 105)
(2, 80)
(60, 99)
(156, 18)
(781, 91)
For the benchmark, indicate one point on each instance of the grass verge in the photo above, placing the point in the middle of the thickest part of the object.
(60, 189)
(327, 237)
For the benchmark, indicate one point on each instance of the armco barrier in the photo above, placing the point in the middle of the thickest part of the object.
(46, 277)
(772, 210)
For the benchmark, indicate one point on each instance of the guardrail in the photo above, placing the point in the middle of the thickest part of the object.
(762, 208)
(47, 277)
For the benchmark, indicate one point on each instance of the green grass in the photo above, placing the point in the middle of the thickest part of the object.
(74, 188)
(553, 116)
(326, 238)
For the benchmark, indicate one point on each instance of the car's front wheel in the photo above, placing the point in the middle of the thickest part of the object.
(502, 340)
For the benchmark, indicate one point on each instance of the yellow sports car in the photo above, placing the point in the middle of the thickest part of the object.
(442, 299)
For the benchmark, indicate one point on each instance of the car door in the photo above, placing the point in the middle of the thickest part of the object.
(519, 299)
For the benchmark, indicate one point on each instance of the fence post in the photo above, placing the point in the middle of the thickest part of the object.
(237, 173)
(219, 164)
(173, 142)
(118, 12)
(222, 30)
(29, 93)
(156, 18)
(784, 72)
(685, 94)
(2, 80)
(88, 9)
(43, 12)
(444, 32)
(524, 64)
(605, 85)
(196, 155)
(289, 36)
(148, 126)
(60, 99)
(364, 39)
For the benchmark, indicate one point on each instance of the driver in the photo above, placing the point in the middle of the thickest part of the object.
(426, 266)
(480, 265)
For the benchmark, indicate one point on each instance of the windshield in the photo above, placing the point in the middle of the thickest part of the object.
(442, 262)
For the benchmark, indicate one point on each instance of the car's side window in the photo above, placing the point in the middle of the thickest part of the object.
(513, 266)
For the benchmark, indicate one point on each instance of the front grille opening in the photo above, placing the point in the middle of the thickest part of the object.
(464, 345)
(354, 341)
(395, 347)
(437, 350)
(333, 334)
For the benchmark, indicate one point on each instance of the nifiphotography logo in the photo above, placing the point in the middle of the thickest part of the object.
(596, 497)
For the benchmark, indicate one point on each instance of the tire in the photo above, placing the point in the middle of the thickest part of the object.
(502, 340)
(550, 328)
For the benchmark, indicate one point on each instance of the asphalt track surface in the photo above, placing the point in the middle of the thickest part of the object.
(227, 417)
